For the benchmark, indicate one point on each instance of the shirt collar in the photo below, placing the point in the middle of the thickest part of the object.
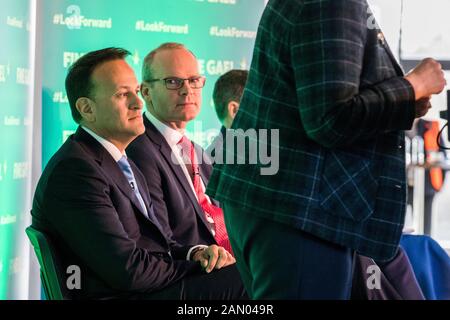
(171, 135)
(111, 148)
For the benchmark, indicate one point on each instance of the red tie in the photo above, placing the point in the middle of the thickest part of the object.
(211, 211)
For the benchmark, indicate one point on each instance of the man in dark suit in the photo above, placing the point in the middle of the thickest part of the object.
(172, 89)
(94, 204)
(324, 77)
(227, 96)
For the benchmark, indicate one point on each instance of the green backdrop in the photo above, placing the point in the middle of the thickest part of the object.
(15, 141)
(221, 33)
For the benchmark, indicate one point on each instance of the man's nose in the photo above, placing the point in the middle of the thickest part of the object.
(186, 88)
(136, 103)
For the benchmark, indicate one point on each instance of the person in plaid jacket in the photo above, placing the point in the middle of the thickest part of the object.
(322, 75)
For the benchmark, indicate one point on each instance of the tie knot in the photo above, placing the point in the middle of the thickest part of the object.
(184, 141)
(188, 155)
(186, 147)
(124, 164)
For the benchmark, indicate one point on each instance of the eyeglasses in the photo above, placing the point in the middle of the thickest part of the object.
(174, 83)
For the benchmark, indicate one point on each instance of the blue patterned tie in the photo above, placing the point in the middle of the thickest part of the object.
(126, 169)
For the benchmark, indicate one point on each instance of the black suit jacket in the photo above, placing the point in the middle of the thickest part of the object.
(85, 204)
(174, 201)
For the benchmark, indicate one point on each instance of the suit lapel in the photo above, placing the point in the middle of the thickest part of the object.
(109, 166)
(157, 138)
(398, 68)
(140, 183)
(382, 41)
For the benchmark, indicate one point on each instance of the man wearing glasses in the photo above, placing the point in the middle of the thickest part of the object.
(92, 201)
(173, 166)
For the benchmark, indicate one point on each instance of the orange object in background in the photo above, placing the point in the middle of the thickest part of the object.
(431, 147)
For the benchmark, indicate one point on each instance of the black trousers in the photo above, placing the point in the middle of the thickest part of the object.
(277, 261)
(222, 284)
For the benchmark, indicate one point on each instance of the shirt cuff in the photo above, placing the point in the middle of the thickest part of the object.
(193, 248)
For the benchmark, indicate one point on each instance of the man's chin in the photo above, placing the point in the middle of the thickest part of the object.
(137, 131)
(189, 116)
(140, 130)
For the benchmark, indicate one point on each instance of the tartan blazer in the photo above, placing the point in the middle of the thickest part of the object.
(323, 75)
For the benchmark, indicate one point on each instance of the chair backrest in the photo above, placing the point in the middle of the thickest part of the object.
(51, 276)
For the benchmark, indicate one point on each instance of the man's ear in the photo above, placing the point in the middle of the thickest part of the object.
(86, 108)
(233, 108)
(145, 91)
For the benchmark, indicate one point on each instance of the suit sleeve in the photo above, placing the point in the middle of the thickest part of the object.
(80, 208)
(328, 57)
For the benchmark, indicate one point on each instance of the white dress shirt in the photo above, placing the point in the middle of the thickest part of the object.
(111, 148)
(172, 137)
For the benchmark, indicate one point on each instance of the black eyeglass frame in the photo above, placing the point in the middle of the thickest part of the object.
(180, 82)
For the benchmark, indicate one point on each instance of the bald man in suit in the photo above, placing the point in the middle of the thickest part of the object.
(93, 202)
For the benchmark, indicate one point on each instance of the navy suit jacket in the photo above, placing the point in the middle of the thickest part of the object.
(174, 201)
(85, 204)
